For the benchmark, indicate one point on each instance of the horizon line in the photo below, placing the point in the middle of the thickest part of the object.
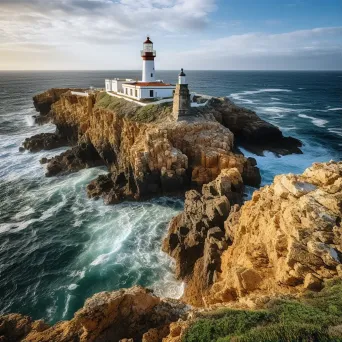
(139, 70)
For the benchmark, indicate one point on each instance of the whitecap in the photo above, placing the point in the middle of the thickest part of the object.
(240, 96)
(72, 287)
(66, 305)
(337, 131)
(315, 121)
(27, 210)
(79, 274)
(333, 109)
(14, 227)
(30, 120)
(101, 259)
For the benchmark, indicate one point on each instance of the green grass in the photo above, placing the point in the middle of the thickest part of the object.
(131, 110)
(308, 319)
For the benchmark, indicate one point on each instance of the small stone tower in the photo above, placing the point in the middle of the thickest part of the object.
(181, 98)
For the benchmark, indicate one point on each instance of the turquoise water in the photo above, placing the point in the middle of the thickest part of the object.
(57, 247)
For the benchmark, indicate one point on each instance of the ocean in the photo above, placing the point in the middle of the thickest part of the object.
(57, 247)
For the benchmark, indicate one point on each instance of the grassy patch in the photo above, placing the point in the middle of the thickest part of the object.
(133, 111)
(314, 317)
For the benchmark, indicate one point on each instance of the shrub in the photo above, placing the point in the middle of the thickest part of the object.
(314, 317)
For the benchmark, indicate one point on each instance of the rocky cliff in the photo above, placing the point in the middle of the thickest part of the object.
(288, 237)
(147, 152)
(285, 239)
(134, 313)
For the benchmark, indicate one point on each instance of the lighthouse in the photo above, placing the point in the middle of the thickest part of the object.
(148, 55)
(148, 88)
(181, 97)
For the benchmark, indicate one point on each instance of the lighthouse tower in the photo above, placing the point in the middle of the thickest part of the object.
(181, 97)
(148, 55)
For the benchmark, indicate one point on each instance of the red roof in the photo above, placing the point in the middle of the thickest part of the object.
(147, 41)
(151, 84)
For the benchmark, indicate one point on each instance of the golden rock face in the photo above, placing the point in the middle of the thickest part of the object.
(286, 238)
(147, 145)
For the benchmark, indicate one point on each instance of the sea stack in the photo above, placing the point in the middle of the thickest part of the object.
(181, 98)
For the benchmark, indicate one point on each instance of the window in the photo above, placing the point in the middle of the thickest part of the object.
(136, 93)
(151, 75)
(131, 92)
(151, 93)
(126, 91)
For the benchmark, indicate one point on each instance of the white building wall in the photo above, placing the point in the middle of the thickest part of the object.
(182, 80)
(148, 73)
(108, 84)
(144, 93)
(157, 92)
(131, 91)
(117, 84)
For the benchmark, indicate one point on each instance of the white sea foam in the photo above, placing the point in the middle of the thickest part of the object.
(336, 130)
(66, 308)
(25, 211)
(241, 95)
(72, 287)
(333, 109)
(79, 274)
(315, 121)
(29, 120)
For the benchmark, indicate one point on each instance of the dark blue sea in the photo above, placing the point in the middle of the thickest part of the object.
(57, 247)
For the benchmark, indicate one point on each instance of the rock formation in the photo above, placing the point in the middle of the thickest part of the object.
(134, 314)
(44, 141)
(147, 152)
(196, 237)
(43, 102)
(288, 237)
(251, 132)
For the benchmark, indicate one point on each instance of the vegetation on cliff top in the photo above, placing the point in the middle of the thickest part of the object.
(134, 112)
(314, 317)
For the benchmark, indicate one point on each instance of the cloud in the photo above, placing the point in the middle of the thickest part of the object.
(89, 34)
(302, 42)
(100, 21)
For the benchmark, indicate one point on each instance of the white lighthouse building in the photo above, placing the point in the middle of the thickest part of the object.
(148, 87)
(148, 55)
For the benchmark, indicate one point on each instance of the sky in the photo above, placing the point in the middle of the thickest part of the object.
(193, 34)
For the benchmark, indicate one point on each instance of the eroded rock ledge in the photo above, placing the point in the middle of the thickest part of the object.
(146, 151)
(133, 313)
(287, 238)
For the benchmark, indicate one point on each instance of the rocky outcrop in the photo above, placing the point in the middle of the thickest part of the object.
(251, 132)
(147, 152)
(196, 237)
(43, 102)
(14, 327)
(44, 141)
(82, 156)
(288, 237)
(134, 314)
